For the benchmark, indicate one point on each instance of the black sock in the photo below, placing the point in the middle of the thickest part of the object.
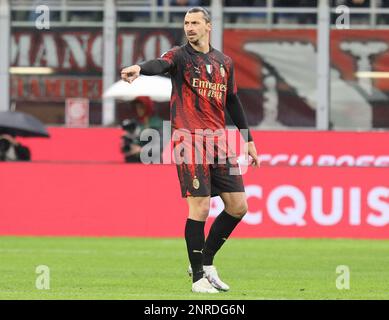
(194, 236)
(220, 230)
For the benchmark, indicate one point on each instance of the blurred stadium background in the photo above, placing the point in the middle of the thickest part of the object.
(316, 93)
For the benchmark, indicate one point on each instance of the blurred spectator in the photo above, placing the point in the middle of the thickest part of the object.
(11, 150)
(126, 16)
(245, 17)
(94, 16)
(383, 18)
(145, 118)
(186, 3)
(352, 3)
(179, 16)
(145, 113)
(307, 18)
(139, 16)
(131, 146)
(285, 18)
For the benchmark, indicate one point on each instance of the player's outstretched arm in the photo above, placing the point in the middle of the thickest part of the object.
(130, 73)
(148, 68)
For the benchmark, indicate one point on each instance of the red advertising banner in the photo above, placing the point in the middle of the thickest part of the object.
(77, 145)
(311, 184)
(316, 202)
(114, 200)
(276, 148)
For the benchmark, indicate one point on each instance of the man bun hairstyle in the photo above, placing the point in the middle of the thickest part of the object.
(206, 15)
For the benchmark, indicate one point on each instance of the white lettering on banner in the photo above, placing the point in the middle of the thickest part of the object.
(97, 57)
(377, 200)
(20, 51)
(375, 203)
(47, 52)
(128, 41)
(317, 206)
(364, 161)
(345, 160)
(76, 49)
(382, 161)
(293, 159)
(70, 51)
(325, 160)
(289, 215)
(355, 206)
(262, 157)
(307, 161)
(155, 45)
(278, 158)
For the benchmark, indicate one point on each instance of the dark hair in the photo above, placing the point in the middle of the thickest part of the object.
(206, 15)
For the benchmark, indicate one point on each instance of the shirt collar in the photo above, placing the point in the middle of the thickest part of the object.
(193, 51)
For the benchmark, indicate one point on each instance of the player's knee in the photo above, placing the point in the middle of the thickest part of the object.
(200, 215)
(204, 211)
(200, 211)
(238, 210)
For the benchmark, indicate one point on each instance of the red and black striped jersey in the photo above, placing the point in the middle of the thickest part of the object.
(200, 85)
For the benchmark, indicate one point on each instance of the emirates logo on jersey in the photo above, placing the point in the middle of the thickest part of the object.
(209, 68)
(209, 89)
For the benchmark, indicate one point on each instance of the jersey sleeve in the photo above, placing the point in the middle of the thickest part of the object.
(231, 83)
(171, 58)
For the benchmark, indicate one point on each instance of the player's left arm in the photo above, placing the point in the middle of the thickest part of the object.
(237, 115)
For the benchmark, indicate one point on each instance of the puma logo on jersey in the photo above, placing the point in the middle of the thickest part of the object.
(198, 251)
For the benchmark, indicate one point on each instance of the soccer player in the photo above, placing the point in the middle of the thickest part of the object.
(203, 86)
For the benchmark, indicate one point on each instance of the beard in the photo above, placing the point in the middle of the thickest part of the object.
(193, 41)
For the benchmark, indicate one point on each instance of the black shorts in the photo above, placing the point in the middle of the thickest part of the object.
(217, 171)
(200, 180)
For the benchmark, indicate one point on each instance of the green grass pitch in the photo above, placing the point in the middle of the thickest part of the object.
(144, 268)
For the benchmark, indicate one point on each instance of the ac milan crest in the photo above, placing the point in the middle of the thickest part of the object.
(222, 71)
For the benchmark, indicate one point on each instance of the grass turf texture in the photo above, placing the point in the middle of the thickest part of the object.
(140, 268)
